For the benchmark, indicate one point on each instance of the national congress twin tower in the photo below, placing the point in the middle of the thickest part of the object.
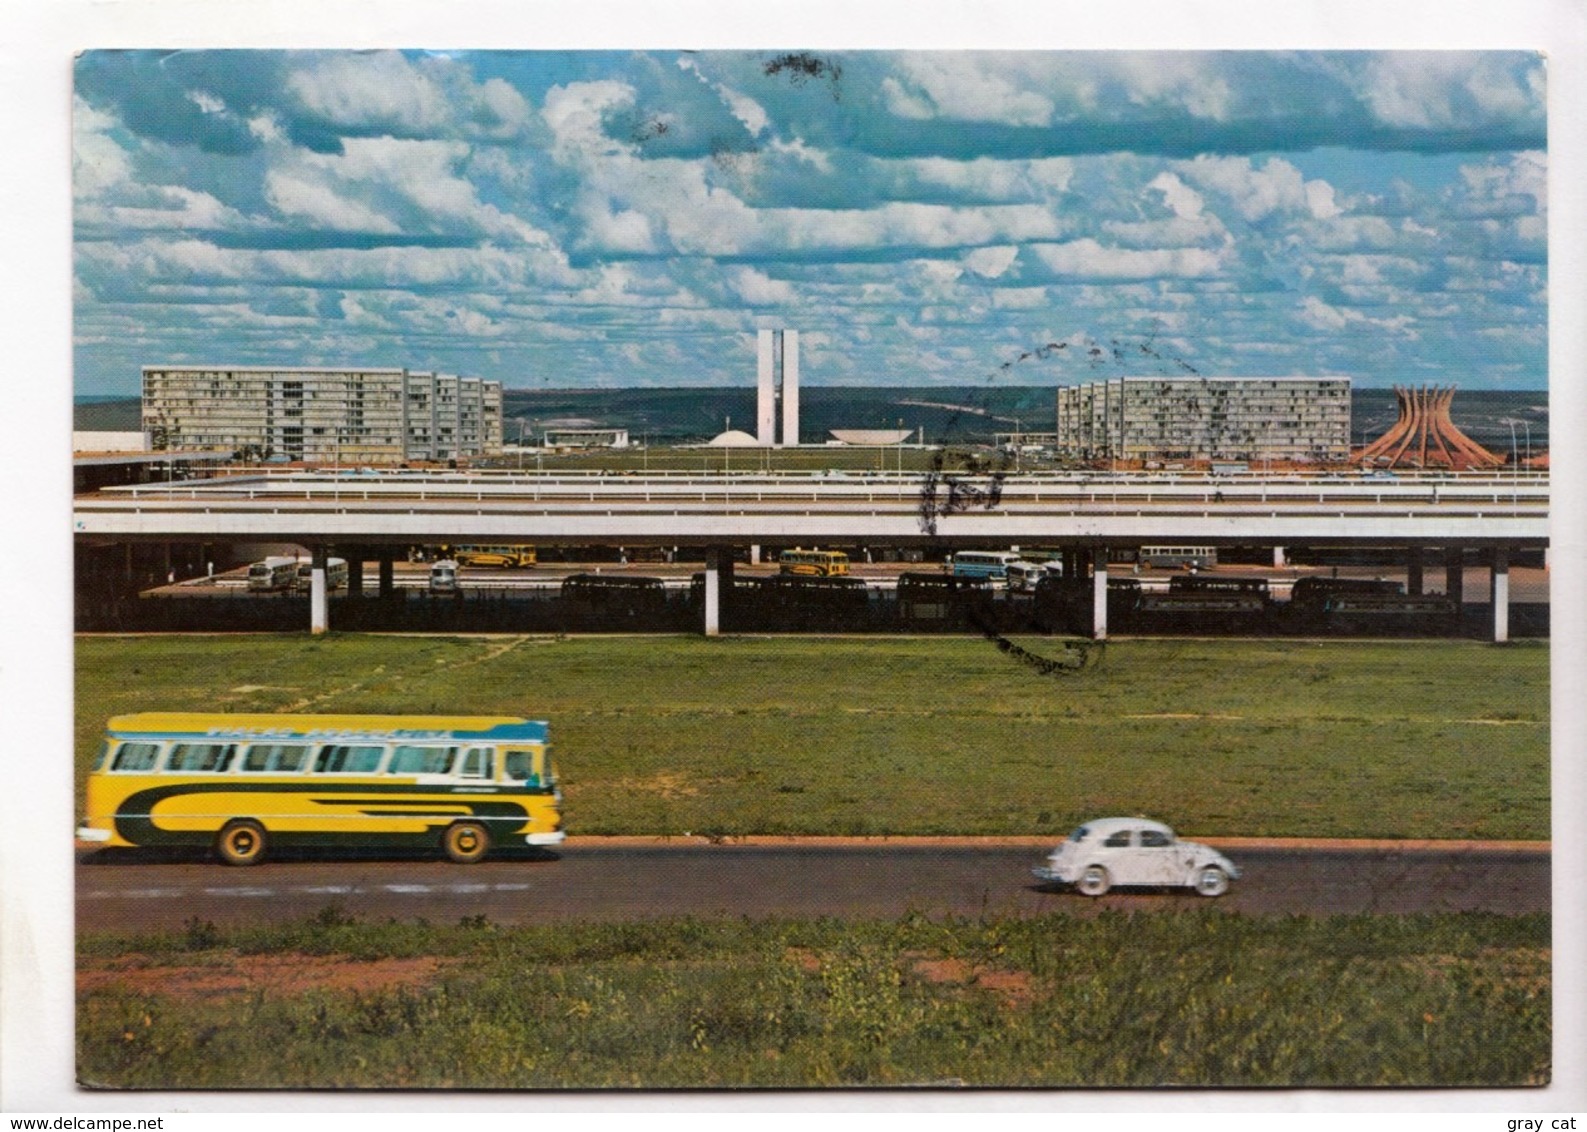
(348, 415)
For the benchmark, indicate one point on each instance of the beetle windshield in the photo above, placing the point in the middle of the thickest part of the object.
(1079, 834)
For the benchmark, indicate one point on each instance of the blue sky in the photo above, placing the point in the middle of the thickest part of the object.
(578, 219)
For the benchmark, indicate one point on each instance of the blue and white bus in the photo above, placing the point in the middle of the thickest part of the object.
(992, 564)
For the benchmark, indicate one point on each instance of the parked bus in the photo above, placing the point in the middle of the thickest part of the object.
(1178, 557)
(245, 784)
(443, 577)
(335, 574)
(271, 575)
(992, 564)
(1023, 576)
(819, 563)
(507, 557)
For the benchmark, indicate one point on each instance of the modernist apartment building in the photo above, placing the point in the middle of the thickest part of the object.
(321, 415)
(1296, 419)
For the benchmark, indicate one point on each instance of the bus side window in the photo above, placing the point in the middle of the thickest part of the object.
(199, 757)
(137, 756)
(273, 757)
(99, 759)
(342, 759)
(421, 760)
(478, 763)
(520, 767)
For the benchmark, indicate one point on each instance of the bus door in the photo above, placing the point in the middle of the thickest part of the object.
(478, 764)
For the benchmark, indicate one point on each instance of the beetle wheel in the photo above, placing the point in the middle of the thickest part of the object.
(1094, 881)
(1211, 881)
(465, 842)
(241, 843)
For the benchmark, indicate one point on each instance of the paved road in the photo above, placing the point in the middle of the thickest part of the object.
(134, 891)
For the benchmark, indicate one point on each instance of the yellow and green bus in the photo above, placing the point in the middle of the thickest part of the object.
(817, 563)
(247, 783)
(507, 557)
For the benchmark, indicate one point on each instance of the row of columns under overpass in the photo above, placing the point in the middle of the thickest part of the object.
(1078, 562)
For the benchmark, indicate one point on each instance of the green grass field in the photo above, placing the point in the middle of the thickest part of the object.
(1193, 998)
(929, 736)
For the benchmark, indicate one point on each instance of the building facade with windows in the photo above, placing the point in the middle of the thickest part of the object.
(1290, 419)
(322, 415)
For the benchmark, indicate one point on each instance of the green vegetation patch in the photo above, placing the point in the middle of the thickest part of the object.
(944, 735)
(1181, 998)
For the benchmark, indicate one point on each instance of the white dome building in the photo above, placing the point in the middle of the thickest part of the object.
(733, 438)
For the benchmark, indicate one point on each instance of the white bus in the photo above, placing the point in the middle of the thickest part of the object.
(335, 574)
(273, 574)
(443, 577)
(1023, 575)
(992, 564)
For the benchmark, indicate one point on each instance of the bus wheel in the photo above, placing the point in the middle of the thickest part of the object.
(241, 843)
(465, 842)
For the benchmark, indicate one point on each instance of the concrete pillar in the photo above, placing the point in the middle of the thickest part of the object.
(790, 387)
(754, 554)
(319, 608)
(1455, 575)
(765, 391)
(1499, 594)
(713, 593)
(355, 573)
(1099, 595)
(1279, 560)
(388, 581)
(1413, 570)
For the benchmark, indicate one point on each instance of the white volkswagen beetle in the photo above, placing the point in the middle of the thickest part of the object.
(1118, 851)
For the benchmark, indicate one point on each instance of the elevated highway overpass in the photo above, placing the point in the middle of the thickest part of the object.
(378, 512)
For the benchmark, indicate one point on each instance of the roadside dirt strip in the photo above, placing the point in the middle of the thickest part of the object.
(631, 878)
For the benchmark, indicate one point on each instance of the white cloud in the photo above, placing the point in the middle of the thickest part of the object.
(1182, 200)
(313, 201)
(1322, 316)
(1257, 193)
(970, 87)
(1020, 298)
(1175, 233)
(1181, 81)
(817, 159)
(751, 113)
(988, 178)
(386, 90)
(991, 263)
(98, 161)
(1524, 178)
(161, 207)
(373, 180)
(904, 103)
(1089, 259)
(574, 113)
(758, 289)
(1443, 89)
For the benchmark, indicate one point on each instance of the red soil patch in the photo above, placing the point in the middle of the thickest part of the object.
(246, 974)
(1013, 986)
